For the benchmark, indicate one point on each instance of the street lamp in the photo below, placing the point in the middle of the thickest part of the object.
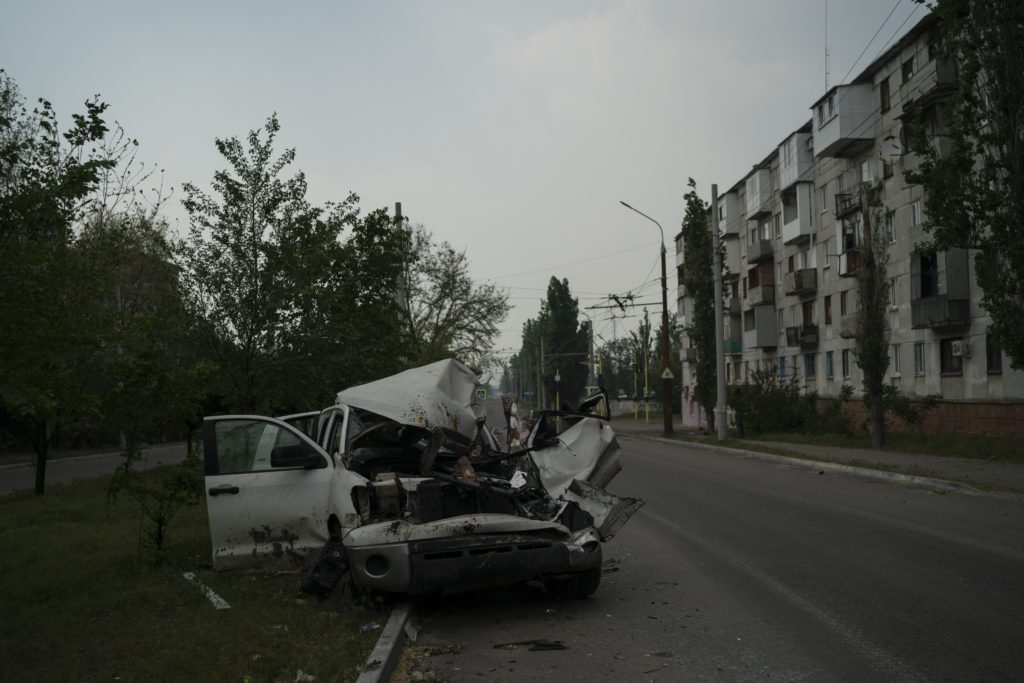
(666, 374)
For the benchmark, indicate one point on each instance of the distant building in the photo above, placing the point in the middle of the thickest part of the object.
(792, 231)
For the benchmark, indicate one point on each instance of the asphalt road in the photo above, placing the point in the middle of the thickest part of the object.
(64, 470)
(741, 570)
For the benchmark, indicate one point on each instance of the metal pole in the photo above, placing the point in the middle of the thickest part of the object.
(540, 376)
(666, 374)
(721, 414)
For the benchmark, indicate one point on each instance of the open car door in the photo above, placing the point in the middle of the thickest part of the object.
(267, 487)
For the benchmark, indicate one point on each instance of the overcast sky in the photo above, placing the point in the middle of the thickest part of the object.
(510, 129)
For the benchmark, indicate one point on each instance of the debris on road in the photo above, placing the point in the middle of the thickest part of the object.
(215, 600)
(369, 626)
(537, 645)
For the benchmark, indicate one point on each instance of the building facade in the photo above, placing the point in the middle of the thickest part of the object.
(793, 235)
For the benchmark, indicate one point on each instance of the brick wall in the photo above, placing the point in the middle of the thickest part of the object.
(956, 417)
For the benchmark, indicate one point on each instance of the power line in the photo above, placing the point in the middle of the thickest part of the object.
(854, 65)
(576, 263)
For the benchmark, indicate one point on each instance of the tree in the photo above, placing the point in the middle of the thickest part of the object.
(871, 346)
(565, 344)
(971, 153)
(446, 313)
(47, 341)
(698, 279)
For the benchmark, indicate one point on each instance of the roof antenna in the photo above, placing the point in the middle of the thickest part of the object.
(826, 45)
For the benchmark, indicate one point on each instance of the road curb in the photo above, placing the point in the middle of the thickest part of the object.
(383, 658)
(940, 485)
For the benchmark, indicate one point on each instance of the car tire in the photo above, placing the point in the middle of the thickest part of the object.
(576, 586)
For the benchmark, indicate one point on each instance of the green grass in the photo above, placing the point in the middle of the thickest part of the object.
(997, 448)
(76, 603)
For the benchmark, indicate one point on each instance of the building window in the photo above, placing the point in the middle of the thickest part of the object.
(829, 370)
(951, 356)
(777, 222)
(993, 355)
(865, 171)
(782, 367)
(832, 105)
(846, 363)
(887, 168)
(883, 88)
(908, 69)
(915, 213)
(919, 365)
(890, 226)
(894, 359)
(828, 309)
(894, 291)
(809, 365)
(843, 302)
(746, 370)
(823, 197)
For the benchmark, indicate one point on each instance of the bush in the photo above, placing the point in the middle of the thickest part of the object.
(770, 404)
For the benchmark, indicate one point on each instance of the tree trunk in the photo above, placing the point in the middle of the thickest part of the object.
(42, 448)
(877, 420)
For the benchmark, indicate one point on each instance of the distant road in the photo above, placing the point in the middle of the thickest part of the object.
(19, 477)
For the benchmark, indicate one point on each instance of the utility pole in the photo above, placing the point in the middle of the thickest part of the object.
(540, 376)
(721, 414)
(666, 373)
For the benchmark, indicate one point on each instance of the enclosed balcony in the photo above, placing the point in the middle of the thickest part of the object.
(804, 336)
(734, 308)
(803, 281)
(760, 328)
(797, 226)
(759, 193)
(844, 121)
(688, 355)
(759, 296)
(759, 250)
(734, 346)
(729, 219)
(940, 311)
(848, 326)
(795, 158)
(851, 262)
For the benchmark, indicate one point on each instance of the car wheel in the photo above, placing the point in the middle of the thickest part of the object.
(576, 586)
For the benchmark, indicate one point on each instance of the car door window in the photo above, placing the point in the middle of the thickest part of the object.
(245, 445)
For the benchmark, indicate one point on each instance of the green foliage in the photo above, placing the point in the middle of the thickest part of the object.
(47, 346)
(700, 286)
(770, 404)
(871, 343)
(969, 148)
(911, 411)
(161, 494)
(565, 343)
(295, 310)
(447, 314)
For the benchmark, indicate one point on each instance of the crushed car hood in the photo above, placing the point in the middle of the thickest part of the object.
(442, 394)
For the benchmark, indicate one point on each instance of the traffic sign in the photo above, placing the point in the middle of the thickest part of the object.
(667, 374)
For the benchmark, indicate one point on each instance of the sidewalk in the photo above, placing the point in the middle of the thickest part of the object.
(967, 470)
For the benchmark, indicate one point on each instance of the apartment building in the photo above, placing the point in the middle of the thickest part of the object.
(793, 234)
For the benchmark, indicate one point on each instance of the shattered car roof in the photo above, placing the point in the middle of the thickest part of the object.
(442, 394)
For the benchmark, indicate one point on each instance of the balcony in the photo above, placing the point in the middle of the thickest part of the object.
(760, 328)
(939, 311)
(759, 250)
(804, 336)
(763, 294)
(803, 281)
(848, 326)
(734, 307)
(680, 258)
(733, 346)
(845, 120)
(847, 203)
(795, 158)
(759, 193)
(688, 355)
(851, 262)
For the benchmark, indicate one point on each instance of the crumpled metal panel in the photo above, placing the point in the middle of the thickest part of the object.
(442, 394)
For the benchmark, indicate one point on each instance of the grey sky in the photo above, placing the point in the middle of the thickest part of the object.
(511, 129)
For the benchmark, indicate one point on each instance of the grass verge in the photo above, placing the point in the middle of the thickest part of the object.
(912, 470)
(78, 604)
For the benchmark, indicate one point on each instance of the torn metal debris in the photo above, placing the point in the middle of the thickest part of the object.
(411, 484)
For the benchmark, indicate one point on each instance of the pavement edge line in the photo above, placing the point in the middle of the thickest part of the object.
(933, 483)
(383, 658)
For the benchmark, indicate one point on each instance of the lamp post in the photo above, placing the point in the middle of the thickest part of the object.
(666, 374)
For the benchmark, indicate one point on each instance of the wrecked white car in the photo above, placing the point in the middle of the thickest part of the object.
(402, 485)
